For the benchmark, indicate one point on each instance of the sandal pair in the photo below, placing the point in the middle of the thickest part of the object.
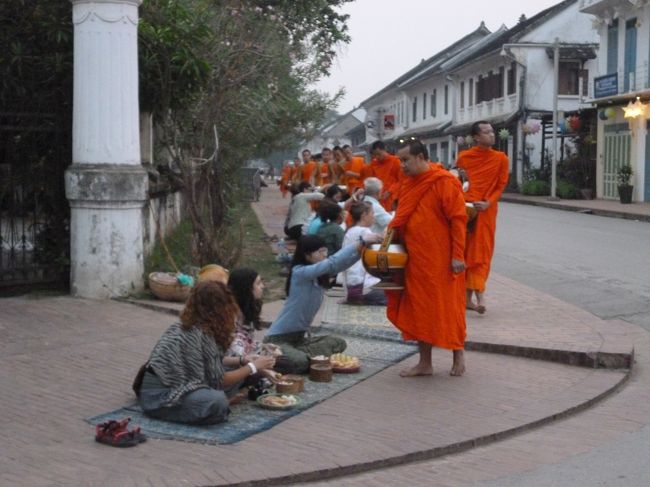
(116, 433)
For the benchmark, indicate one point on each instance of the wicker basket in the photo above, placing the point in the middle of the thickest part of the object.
(165, 287)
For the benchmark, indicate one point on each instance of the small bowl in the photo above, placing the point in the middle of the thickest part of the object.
(320, 373)
(287, 387)
(299, 380)
(319, 360)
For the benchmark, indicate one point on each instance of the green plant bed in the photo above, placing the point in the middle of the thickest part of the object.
(256, 253)
(567, 191)
(536, 188)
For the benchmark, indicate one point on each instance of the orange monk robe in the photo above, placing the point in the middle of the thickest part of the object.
(296, 174)
(338, 173)
(355, 164)
(488, 172)
(323, 175)
(366, 172)
(389, 171)
(285, 179)
(309, 172)
(431, 220)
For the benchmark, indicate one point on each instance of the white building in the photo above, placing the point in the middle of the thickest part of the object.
(504, 77)
(623, 75)
(419, 102)
(336, 132)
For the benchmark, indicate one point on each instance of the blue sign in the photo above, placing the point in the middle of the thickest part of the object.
(606, 85)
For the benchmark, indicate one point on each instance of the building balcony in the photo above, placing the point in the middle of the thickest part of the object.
(621, 83)
(488, 109)
(598, 7)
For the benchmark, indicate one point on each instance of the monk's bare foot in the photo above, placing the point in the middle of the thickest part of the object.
(458, 367)
(479, 308)
(417, 371)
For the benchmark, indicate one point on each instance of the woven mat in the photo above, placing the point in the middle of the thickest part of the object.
(246, 419)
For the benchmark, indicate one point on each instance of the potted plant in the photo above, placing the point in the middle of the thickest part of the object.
(623, 176)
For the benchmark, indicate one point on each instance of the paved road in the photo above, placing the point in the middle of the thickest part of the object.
(597, 263)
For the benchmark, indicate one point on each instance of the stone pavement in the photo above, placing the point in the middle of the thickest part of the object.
(64, 359)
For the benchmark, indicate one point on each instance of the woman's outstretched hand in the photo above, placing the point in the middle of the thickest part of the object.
(372, 238)
(264, 362)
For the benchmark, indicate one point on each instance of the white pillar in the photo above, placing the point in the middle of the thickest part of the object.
(106, 185)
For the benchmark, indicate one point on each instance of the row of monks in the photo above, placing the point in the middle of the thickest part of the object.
(340, 166)
(432, 222)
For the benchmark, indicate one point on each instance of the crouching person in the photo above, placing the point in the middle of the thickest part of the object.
(184, 380)
(305, 287)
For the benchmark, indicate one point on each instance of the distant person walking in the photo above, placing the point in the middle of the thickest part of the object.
(487, 171)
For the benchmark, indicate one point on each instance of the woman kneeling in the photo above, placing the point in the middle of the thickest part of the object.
(308, 278)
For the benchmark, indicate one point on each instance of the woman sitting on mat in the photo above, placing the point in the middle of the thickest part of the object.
(308, 277)
(247, 287)
(184, 379)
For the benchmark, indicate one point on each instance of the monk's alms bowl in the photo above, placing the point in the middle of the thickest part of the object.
(387, 264)
(471, 211)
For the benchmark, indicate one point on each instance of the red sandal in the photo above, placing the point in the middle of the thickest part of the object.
(116, 433)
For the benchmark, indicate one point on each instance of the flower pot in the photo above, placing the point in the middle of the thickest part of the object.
(625, 194)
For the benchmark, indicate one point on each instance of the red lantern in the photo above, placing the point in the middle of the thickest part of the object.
(574, 123)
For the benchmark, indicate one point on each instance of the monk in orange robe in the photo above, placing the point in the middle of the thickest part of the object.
(324, 174)
(353, 167)
(431, 221)
(487, 171)
(308, 168)
(296, 173)
(337, 170)
(386, 167)
(285, 179)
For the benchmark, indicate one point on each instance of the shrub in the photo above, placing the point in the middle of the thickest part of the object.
(567, 191)
(623, 174)
(536, 188)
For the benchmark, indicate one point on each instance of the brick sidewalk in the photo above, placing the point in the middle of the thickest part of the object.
(64, 359)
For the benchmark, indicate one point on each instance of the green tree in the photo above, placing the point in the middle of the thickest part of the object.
(240, 73)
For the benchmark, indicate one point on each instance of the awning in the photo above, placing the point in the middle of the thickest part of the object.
(574, 52)
(496, 122)
(424, 132)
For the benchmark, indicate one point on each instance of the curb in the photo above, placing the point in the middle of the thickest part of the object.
(578, 209)
(590, 359)
(436, 452)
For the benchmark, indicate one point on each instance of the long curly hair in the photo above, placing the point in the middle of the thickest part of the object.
(241, 283)
(211, 307)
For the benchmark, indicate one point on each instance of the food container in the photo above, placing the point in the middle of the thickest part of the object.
(287, 387)
(321, 373)
(285, 401)
(319, 360)
(165, 286)
(299, 380)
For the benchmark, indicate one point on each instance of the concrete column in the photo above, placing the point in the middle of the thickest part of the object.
(106, 185)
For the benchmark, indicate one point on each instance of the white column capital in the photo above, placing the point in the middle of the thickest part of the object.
(106, 11)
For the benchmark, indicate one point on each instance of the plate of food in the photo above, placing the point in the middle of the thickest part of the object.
(345, 364)
(278, 401)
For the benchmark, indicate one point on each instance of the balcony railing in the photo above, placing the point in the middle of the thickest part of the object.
(488, 109)
(619, 83)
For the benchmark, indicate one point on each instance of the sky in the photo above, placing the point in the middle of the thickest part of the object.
(389, 37)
